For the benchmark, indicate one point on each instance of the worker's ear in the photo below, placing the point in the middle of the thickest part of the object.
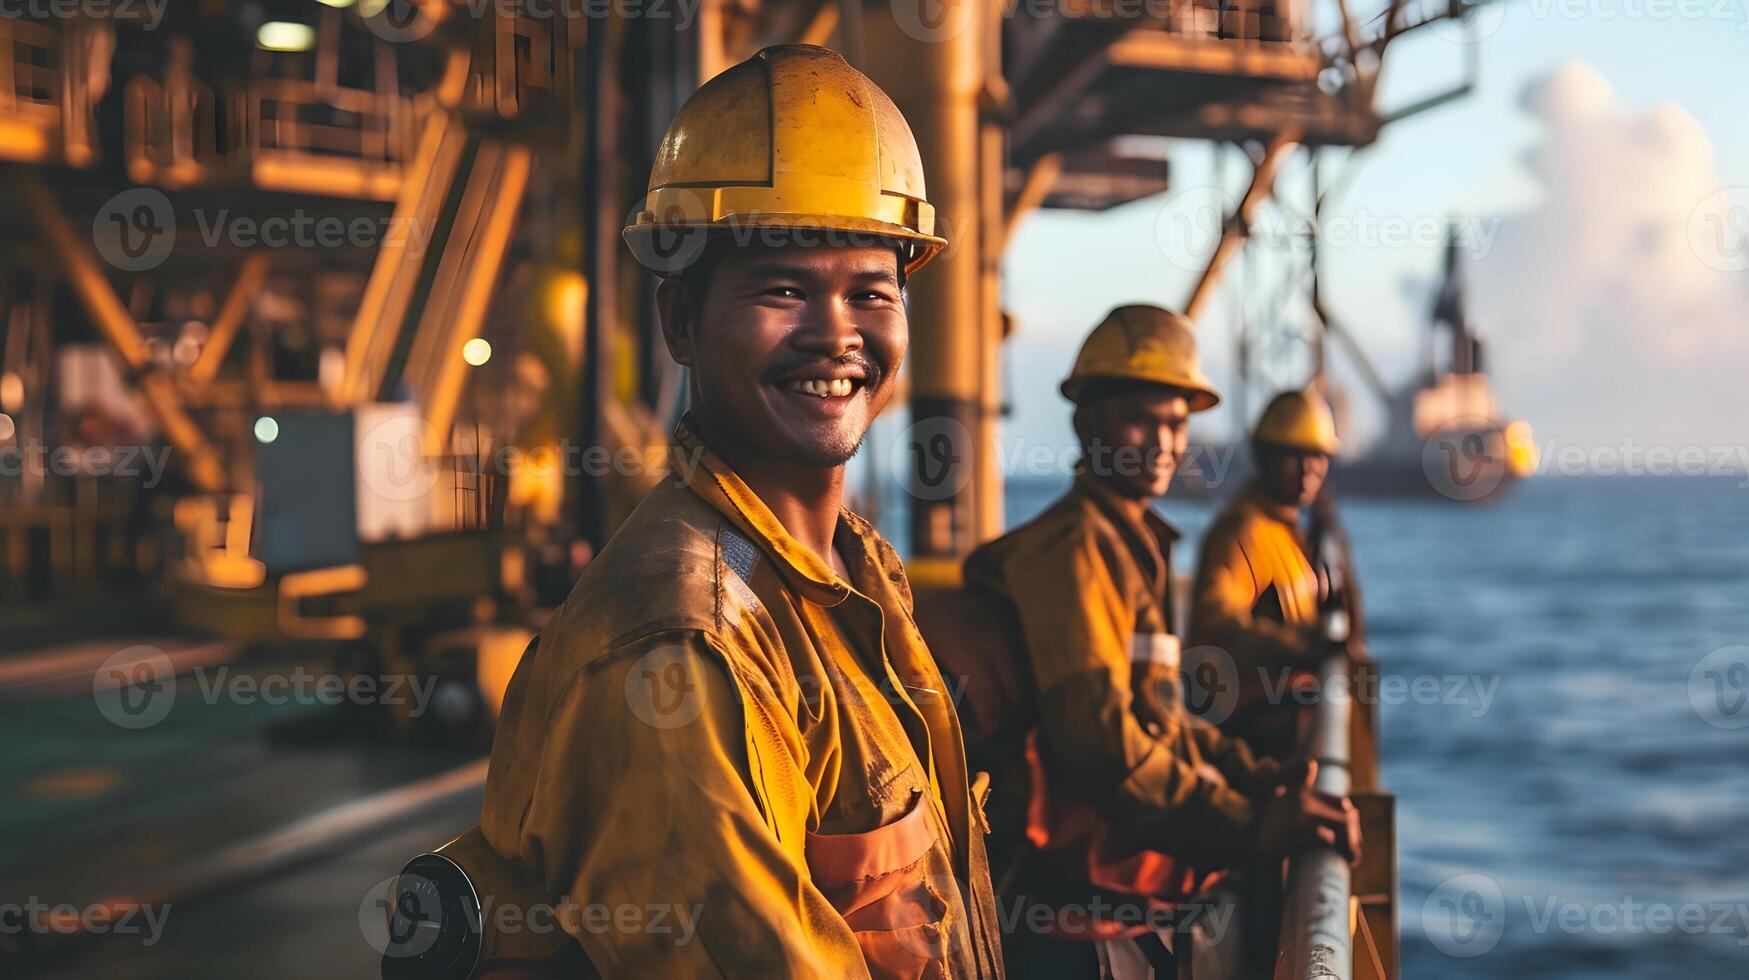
(677, 309)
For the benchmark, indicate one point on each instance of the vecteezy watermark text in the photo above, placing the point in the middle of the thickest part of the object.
(148, 14)
(37, 459)
(1473, 691)
(1466, 915)
(1191, 221)
(137, 688)
(1211, 684)
(34, 915)
(136, 230)
(402, 918)
(1084, 919)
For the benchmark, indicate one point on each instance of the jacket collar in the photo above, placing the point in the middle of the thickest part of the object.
(706, 474)
(1149, 535)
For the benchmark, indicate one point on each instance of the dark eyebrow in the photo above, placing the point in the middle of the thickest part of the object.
(885, 276)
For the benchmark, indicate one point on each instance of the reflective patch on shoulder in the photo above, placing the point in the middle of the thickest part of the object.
(742, 558)
(1155, 648)
(740, 555)
(740, 591)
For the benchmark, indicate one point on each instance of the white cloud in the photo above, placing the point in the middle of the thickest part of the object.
(1611, 322)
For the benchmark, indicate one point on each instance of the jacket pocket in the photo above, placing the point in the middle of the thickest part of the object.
(880, 882)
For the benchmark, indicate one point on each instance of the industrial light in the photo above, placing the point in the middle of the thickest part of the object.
(283, 35)
(337, 4)
(11, 392)
(266, 429)
(7, 427)
(477, 351)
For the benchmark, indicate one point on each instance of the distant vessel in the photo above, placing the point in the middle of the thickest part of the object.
(1445, 432)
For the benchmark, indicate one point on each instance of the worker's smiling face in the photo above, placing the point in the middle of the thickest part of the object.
(793, 350)
(1134, 439)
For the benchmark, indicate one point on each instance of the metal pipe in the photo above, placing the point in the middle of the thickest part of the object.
(1033, 190)
(110, 316)
(602, 212)
(1238, 225)
(503, 183)
(230, 318)
(936, 81)
(1316, 940)
(850, 30)
(395, 269)
(820, 28)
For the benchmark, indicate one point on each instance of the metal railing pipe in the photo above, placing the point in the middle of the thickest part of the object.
(1316, 942)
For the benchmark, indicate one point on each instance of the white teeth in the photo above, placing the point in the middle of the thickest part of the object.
(825, 387)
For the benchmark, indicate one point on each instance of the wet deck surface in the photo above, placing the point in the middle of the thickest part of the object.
(189, 812)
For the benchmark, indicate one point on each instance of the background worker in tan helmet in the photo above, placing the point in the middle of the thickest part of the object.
(1258, 594)
(730, 737)
(1133, 808)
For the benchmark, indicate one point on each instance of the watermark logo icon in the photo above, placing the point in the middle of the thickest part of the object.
(400, 21)
(1211, 683)
(934, 20)
(392, 461)
(1465, 459)
(1718, 230)
(1471, 21)
(135, 230)
(674, 240)
(1465, 916)
(664, 689)
(932, 457)
(135, 687)
(1188, 226)
(402, 915)
(1718, 688)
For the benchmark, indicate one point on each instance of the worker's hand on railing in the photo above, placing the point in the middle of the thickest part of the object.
(1265, 778)
(1296, 817)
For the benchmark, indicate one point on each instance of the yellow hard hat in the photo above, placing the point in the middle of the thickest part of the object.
(1298, 420)
(1143, 343)
(791, 138)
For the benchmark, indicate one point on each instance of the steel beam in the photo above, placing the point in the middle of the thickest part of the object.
(112, 319)
(1238, 224)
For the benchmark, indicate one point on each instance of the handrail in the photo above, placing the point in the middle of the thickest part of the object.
(1316, 940)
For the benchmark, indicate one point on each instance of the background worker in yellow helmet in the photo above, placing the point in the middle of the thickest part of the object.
(1133, 807)
(1258, 594)
(731, 721)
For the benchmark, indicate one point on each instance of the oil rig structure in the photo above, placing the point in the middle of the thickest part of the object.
(351, 270)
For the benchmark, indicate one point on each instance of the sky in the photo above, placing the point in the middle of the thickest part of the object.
(1604, 142)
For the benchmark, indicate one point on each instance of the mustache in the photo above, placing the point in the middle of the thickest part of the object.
(872, 370)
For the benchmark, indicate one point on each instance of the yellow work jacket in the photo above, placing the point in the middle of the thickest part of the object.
(1256, 593)
(1089, 582)
(716, 725)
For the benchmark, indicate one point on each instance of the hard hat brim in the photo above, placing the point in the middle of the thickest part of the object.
(1201, 391)
(667, 249)
(1327, 448)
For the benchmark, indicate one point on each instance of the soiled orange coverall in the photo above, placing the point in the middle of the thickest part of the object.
(715, 723)
(1136, 798)
(1256, 598)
